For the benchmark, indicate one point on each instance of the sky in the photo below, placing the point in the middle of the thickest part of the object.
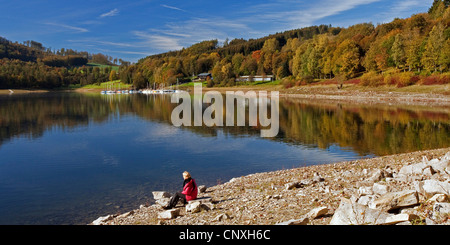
(132, 30)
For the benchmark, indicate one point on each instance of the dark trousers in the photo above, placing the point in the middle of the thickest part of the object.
(174, 199)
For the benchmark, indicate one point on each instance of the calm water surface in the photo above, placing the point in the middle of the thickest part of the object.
(68, 158)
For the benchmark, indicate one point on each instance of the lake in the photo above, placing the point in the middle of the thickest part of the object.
(68, 158)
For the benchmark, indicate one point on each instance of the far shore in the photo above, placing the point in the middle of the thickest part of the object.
(411, 95)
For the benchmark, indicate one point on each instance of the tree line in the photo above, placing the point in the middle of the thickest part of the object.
(31, 65)
(419, 45)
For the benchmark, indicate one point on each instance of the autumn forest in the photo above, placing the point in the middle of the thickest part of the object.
(415, 50)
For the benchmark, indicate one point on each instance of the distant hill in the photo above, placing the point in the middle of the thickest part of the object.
(409, 49)
(31, 65)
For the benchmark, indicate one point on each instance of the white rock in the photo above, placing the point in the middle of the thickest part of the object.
(101, 220)
(432, 187)
(394, 200)
(349, 213)
(169, 214)
(365, 190)
(193, 207)
(379, 189)
(366, 200)
(398, 218)
(413, 169)
(160, 194)
(438, 198)
(163, 201)
(377, 176)
(440, 165)
(317, 212)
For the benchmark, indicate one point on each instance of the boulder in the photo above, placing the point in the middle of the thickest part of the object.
(394, 200)
(399, 218)
(194, 207)
(163, 202)
(378, 175)
(317, 212)
(413, 169)
(160, 194)
(199, 204)
(432, 187)
(169, 214)
(349, 213)
(379, 189)
(442, 164)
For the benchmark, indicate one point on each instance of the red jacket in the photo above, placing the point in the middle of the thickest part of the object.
(190, 190)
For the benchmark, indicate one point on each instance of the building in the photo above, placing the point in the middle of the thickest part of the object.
(203, 77)
(264, 78)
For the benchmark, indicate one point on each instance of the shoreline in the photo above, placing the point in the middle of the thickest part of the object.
(290, 195)
(413, 95)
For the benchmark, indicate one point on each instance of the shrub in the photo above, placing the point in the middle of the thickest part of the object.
(436, 79)
(405, 79)
(288, 82)
(371, 78)
(308, 79)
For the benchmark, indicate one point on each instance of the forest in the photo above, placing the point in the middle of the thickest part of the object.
(31, 65)
(400, 53)
(414, 50)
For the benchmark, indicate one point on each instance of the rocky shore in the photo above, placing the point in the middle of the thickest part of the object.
(410, 188)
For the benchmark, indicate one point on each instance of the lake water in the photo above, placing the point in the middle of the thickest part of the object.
(68, 158)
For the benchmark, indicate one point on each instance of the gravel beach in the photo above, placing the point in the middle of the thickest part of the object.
(313, 195)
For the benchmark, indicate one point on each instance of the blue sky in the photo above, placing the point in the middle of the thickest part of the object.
(135, 29)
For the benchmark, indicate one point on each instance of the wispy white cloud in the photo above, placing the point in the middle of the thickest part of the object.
(402, 9)
(68, 27)
(111, 13)
(172, 7)
(105, 43)
(159, 42)
(286, 14)
(176, 35)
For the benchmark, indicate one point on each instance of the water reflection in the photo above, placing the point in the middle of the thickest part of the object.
(378, 130)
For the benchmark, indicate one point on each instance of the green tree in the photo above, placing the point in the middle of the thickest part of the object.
(413, 49)
(112, 75)
(398, 51)
(433, 48)
(347, 59)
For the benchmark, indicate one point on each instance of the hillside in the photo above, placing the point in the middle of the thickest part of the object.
(31, 65)
(414, 50)
(404, 52)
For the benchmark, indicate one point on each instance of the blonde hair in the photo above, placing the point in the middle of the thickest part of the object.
(187, 174)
